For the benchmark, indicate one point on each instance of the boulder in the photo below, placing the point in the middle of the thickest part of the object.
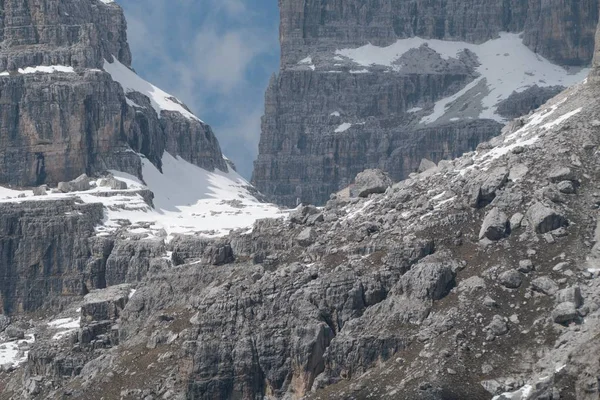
(426, 165)
(498, 326)
(495, 225)
(14, 333)
(511, 279)
(483, 194)
(302, 213)
(428, 280)
(113, 183)
(370, 181)
(570, 295)
(81, 183)
(306, 237)
(525, 266)
(566, 187)
(516, 221)
(40, 190)
(544, 285)
(65, 187)
(104, 304)
(561, 174)
(544, 219)
(564, 313)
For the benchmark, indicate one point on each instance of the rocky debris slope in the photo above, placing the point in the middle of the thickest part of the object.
(71, 104)
(386, 84)
(478, 278)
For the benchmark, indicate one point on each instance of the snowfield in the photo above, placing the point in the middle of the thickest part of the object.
(188, 200)
(131, 82)
(506, 66)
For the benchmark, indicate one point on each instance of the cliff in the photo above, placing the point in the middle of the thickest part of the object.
(475, 279)
(385, 84)
(70, 103)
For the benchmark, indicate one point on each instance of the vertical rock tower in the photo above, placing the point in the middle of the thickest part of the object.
(70, 103)
(384, 84)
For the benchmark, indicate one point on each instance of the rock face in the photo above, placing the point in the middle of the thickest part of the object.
(71, 109)
(390, 296)
(329, 116)
(77, 119)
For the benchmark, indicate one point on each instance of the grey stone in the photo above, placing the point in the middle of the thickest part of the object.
(428, 280)
(104, 304)
(544, 285)
(525, 266)
(498, 326)
(511, 279)
(14, 332)
(566, 187)
(561, 174)
(571, 294)
(426, 165)
(544, 219)
(369, 182)
(564, 313)
(489, 302)
(306, 237)
(40, 190)
(516, 220)
(81, 183)
(495, 225)
(113, 183)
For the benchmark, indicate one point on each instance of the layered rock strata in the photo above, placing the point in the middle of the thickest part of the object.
(331, 113)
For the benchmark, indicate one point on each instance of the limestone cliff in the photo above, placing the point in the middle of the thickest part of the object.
(64, 114)
(359, 81)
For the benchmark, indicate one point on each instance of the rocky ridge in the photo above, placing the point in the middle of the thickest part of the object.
(477, 278)
(385, 84)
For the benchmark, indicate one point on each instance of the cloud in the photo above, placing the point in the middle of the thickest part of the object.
(216, 56)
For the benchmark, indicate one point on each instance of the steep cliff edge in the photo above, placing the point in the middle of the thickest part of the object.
(70, 103)
(386, 84)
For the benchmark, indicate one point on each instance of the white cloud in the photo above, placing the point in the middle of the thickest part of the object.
(215, 55)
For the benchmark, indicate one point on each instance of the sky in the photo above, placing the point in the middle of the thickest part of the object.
(217, 56)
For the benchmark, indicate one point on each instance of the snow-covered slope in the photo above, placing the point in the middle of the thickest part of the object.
(131, 82)
(187, 200)
(506, 65)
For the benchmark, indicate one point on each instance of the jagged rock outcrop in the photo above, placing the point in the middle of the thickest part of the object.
(63, 115)
(329, 116)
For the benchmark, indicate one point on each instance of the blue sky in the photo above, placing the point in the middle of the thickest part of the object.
(215, 55)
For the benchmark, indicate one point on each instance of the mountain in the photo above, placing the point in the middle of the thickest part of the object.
(98, 168)
(478, 278)
(475, 278)
(385, 84)
(72, 105)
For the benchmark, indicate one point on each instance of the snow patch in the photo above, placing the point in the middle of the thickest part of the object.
(131, 82)
(11, 353)
(506, 66)
(520, 394)
(343, 127)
